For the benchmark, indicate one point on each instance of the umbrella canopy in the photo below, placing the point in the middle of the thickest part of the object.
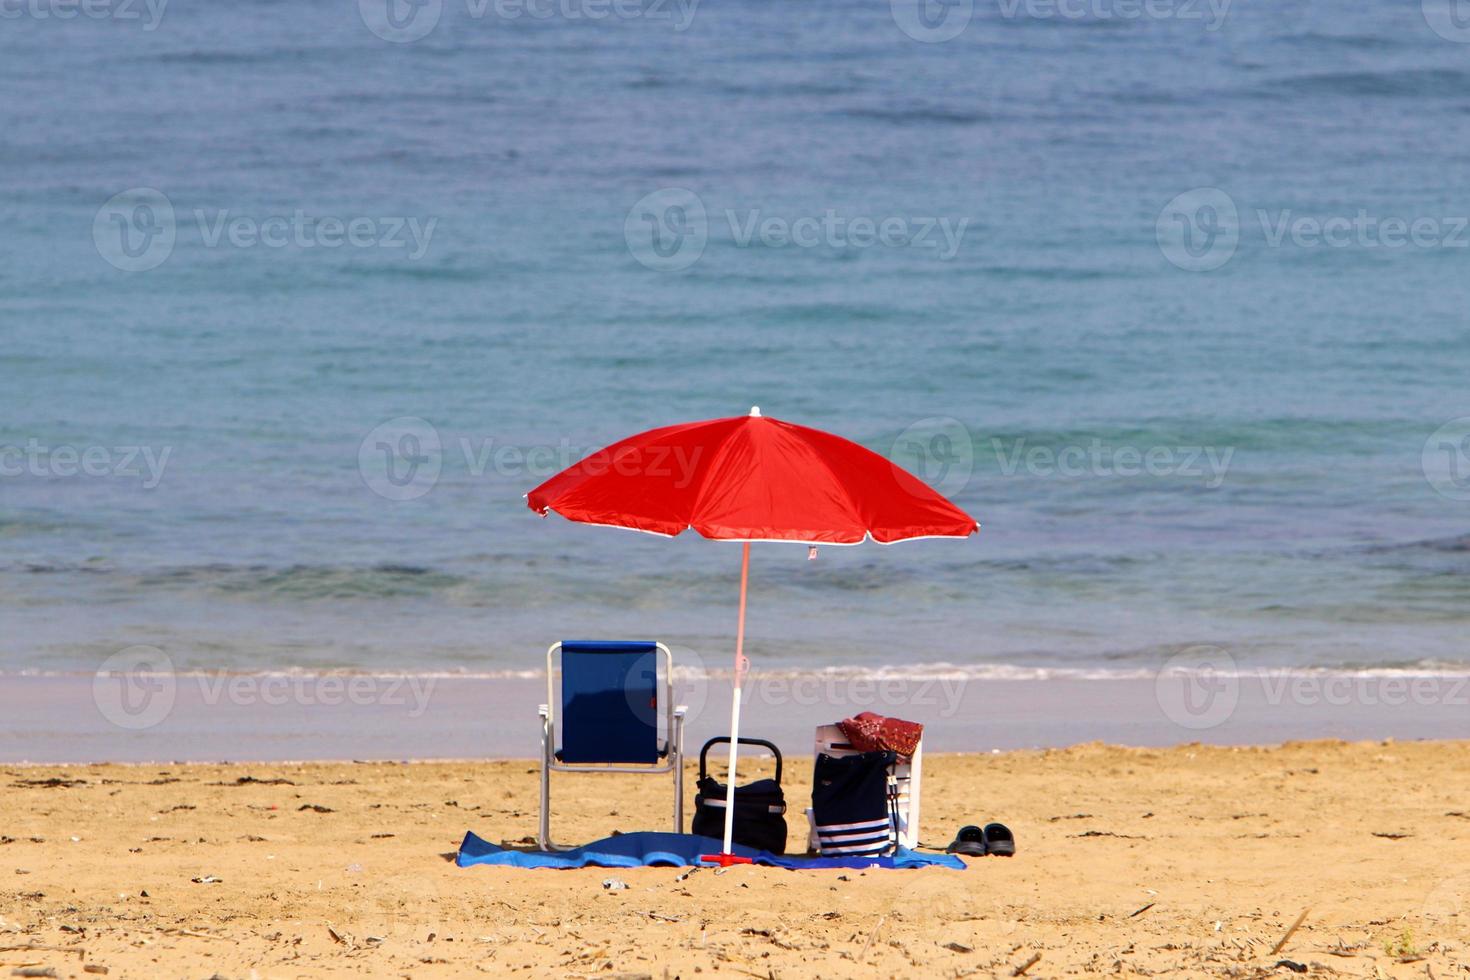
(749, 478)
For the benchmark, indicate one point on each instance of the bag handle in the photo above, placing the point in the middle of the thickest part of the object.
(725, 740)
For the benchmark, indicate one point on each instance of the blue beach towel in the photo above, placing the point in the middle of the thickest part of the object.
(649, 849)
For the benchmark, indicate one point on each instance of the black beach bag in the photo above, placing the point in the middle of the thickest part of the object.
(760, 807)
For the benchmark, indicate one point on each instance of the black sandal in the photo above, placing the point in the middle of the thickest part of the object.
(999, 840)
(970, 842)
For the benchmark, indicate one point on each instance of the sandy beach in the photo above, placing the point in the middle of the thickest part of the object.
(1192, 860)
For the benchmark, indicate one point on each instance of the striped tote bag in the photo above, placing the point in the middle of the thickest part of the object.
(852, 806)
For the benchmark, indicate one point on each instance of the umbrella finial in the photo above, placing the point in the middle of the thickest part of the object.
(755, 411)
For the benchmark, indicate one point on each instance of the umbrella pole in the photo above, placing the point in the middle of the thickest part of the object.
(740, 665)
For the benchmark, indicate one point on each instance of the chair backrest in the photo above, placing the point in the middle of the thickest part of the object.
(609, 702)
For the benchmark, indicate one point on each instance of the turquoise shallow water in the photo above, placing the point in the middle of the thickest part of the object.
(1178, 423)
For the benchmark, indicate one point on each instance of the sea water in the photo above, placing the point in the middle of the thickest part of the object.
(298, 299)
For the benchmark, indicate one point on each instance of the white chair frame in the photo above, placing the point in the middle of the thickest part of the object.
(673, 731)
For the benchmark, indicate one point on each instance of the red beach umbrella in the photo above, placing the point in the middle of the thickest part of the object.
(749, 478)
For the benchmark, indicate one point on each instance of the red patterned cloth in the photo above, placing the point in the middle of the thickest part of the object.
(869, 732)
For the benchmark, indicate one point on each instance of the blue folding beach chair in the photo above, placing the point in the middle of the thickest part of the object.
(607, 716)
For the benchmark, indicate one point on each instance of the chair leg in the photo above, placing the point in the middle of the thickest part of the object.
(678, 753)
(543, 833)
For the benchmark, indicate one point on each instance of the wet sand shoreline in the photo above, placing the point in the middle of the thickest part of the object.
(77, 719)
